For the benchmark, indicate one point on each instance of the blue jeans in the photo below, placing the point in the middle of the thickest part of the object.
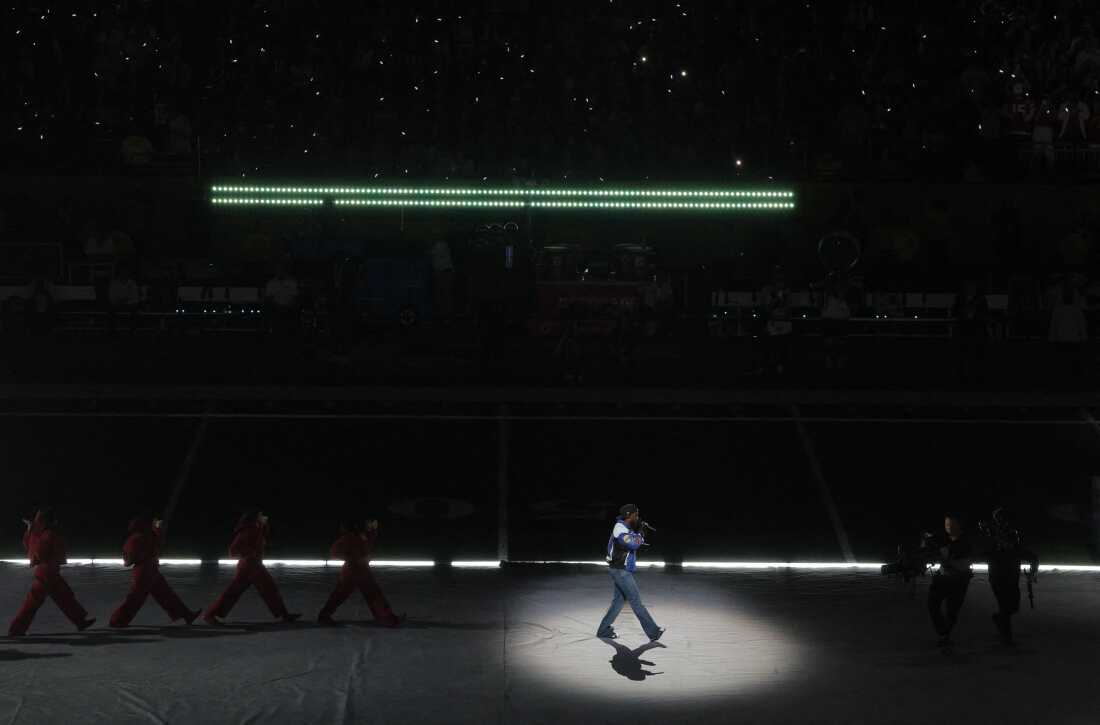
(625, 589)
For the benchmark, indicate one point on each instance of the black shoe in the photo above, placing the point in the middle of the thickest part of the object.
(212, 620)
(657, 636)
(611, 635)
(397, 621)
(191, 617)
(85, 624)
(290, 618)
(326, 620)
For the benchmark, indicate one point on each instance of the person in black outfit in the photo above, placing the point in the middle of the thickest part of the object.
(1005, 555)
(950, 582)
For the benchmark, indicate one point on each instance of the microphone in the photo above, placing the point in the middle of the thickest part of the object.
(645, 525)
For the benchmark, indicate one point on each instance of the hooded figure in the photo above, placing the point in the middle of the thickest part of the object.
(249, 540)
(46, 551)
(142, 552)
(355, 547)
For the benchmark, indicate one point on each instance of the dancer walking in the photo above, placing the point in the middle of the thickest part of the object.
(142, 552)
(46, 550)
(355, 546)
(249, 540)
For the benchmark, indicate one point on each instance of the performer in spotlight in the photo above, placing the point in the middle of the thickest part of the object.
(950, 583)
(46, 551)
(622, 550)
(142, 552)
(1006, 553)
(249, 540)
(355, 546)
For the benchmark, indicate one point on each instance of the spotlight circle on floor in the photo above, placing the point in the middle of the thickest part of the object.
(712, 649)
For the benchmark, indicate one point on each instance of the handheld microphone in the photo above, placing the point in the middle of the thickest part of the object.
(645, 525)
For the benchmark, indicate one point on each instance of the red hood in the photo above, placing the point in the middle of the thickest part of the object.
(140, 525)
(253, 524)
(39, 524)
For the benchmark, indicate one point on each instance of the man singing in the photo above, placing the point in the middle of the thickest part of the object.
(622, 550)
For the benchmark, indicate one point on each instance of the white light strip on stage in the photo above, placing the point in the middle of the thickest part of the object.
(809, 566)
(96, 561)
(417, 563)
(321, 563)
(1068, 567)
(284, 562)
(650, 564)
(490, 564)
(804, 565)
(305, 563)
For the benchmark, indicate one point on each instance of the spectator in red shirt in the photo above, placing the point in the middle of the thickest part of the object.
(1042, 133)
(1020, 112)
(1092, 130)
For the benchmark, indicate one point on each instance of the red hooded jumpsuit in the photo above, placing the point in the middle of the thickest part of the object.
(46, 550)
(355, 549)
(248, 547)
(142, 552)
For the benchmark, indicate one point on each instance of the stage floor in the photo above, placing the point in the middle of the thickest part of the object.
(517, 645)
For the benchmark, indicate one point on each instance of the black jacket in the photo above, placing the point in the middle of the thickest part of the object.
(1004, 562)
(955, 557)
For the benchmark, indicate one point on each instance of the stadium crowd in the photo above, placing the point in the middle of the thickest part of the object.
(511, 88)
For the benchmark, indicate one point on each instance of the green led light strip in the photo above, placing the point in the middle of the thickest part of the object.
(520, 192)
(269, 202)
(662, 205)
(549, 199)
(430, 202)
(512, 204)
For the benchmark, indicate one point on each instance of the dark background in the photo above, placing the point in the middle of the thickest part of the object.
(714, 489)
(915, 128)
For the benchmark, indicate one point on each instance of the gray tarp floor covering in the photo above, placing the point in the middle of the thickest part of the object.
(517, 646)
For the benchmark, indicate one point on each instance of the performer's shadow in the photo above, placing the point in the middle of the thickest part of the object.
(13, 655)
(628, 662)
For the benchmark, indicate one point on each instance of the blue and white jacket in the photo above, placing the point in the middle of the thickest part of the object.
(622, 547)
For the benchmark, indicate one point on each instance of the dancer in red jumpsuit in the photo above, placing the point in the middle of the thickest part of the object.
(46, 550)
(355, 547)
(142, 552)
(249, 539)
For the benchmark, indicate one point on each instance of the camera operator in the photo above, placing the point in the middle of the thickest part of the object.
(950, 582)
(1005, 556)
